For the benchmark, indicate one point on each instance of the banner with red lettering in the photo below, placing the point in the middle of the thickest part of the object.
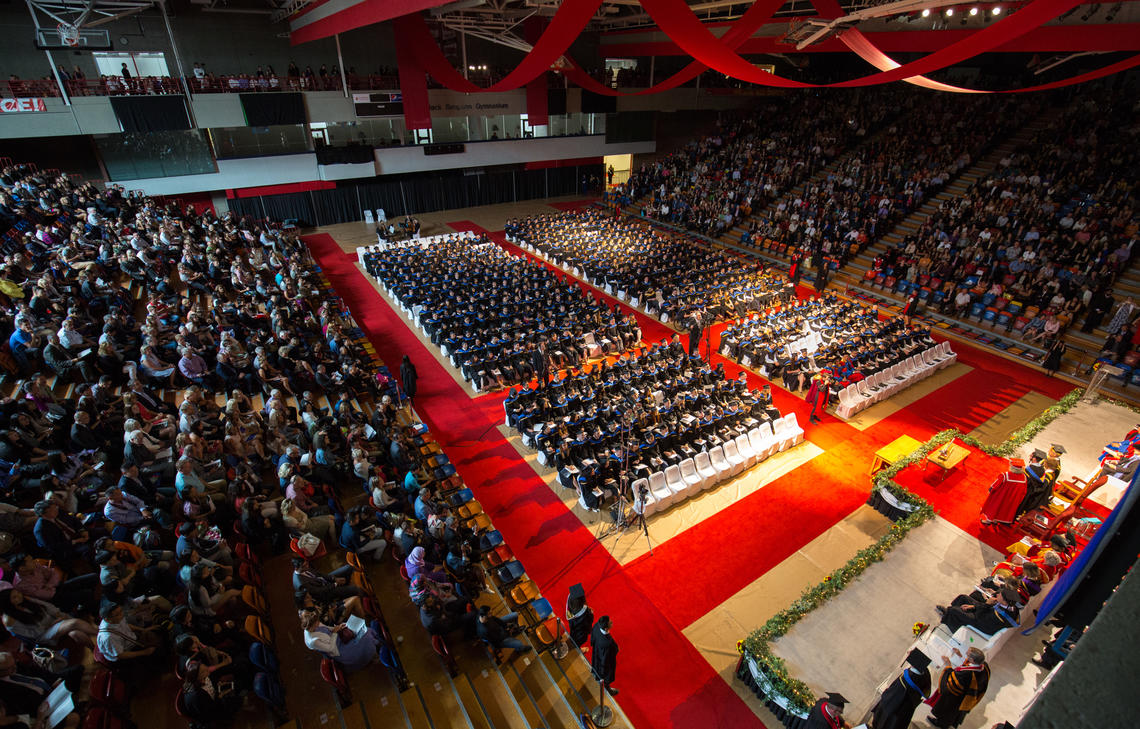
(7, 105)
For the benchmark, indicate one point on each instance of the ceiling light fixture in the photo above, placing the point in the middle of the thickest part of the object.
(949, 12)
(926, 12)
(996, 10)
(973, 11)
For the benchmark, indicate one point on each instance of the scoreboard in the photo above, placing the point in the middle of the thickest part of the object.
(378, 104)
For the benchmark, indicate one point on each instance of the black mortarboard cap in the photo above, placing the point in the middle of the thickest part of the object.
(1040, 454)
(1059, 448)
(577, 592)
(918, 659)
(836, 699)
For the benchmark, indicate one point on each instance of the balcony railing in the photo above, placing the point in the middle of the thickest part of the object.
(148, 85)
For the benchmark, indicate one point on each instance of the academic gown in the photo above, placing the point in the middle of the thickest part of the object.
(580, 626)
(959, 690)
(1006, 494)
(818, 718)
(1039, 487)
(896, 706)
(603, 658)
(409, 377)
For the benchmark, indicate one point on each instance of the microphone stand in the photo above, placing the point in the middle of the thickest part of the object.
(620, 524)
(708, 344)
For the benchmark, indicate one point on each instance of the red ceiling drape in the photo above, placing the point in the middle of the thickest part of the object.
(756, 16)
(413, 83)
(678, 21)
(566, 25)
(537, 111)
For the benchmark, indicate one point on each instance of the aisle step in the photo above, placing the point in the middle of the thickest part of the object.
(500, 705)
(416, 711)
(472, 704)
(547, 696)
(352, 717)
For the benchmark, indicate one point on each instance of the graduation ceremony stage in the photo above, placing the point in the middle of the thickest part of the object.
(721, 562)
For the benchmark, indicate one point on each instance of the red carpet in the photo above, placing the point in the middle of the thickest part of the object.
(959, 498)
(573, 204)
(725, 553)
(964, 403)
(664, 681)
(462, 226)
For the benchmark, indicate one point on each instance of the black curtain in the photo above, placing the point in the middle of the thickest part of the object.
(384, 195)
(337, 206)
(151, 113)
(267, 110)
(290, 206)
(246, 206)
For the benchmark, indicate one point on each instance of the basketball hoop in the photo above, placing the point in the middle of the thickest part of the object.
(68, 34)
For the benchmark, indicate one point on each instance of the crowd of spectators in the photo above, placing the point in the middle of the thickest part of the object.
(880, 181)
(1041, 239)
(714, 183)
(503, 319)
(182, 390)
(608, 426)
(670, 275)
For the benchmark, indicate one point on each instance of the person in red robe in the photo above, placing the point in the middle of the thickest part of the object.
(1006, 494)
(819, 394)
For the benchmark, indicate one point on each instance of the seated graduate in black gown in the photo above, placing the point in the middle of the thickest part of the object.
(986, 615)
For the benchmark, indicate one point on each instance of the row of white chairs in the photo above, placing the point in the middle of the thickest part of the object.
(881, 385)
(384, 245)
(707, 468)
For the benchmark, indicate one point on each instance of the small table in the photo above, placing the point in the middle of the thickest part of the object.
(948, 457)
(896, 450)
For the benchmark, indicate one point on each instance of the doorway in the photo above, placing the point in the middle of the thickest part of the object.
(622, 165)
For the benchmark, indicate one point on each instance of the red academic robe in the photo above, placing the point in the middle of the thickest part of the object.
(1006, 494)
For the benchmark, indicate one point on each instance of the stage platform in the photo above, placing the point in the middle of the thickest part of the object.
(858, 640)
(851, 643)
(1085, 431)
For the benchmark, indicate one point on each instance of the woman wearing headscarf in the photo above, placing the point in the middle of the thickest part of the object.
(416, 564)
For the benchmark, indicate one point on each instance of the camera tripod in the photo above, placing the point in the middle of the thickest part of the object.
(622, 522)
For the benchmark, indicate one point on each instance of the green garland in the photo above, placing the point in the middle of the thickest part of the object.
(756, 647)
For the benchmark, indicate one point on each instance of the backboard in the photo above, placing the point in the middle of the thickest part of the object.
(90, 39)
